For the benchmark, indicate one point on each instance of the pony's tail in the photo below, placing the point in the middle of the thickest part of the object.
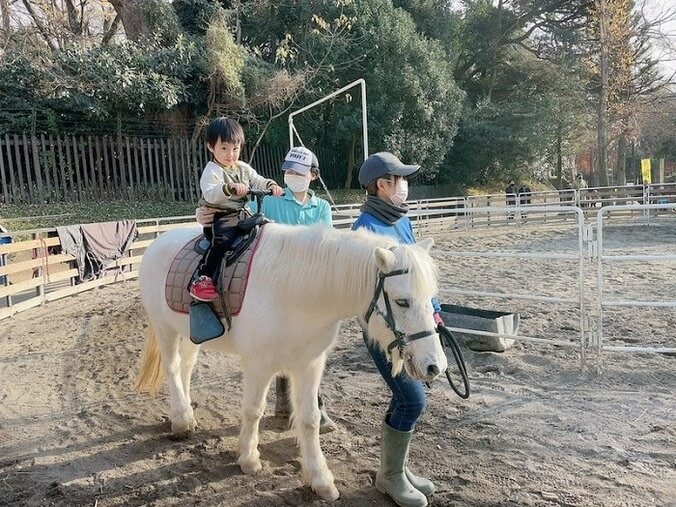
(151, 374)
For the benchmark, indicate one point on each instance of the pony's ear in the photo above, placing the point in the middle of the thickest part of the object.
(426, 244)
(385, 259)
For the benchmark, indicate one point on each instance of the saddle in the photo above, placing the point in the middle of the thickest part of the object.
(231, 279)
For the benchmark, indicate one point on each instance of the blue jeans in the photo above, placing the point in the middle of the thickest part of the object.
(408, 395)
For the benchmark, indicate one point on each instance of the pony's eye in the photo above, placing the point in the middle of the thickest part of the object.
(402, 302)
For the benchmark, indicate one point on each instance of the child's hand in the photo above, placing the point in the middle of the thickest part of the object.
(276, 190)
(238, 189)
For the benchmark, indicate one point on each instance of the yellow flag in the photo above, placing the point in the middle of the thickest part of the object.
(645, 170)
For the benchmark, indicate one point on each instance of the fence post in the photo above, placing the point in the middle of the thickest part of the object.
(3, 180)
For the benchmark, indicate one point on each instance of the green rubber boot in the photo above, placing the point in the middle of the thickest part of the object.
(326, 425)
(282, 401)
(425, 486)
(392, 477)
(283, 405)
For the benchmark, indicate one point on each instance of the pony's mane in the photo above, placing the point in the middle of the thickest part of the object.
(306, 260)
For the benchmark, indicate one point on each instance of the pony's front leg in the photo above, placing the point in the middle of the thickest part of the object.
(306, 416)
(255, 386)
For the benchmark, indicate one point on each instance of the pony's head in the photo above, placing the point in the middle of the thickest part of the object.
(400, 316)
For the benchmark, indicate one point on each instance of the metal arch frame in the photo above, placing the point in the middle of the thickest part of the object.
(359, 82)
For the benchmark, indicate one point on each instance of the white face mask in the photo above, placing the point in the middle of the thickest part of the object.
(297, 183)
(400, 192)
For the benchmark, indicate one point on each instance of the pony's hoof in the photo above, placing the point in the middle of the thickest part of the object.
(250, 467)
(327, 492)
(184, 427)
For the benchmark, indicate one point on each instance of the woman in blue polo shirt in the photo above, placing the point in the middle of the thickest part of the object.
(384, 177)
(298, 206)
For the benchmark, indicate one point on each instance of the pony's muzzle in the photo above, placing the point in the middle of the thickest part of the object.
(433, 371)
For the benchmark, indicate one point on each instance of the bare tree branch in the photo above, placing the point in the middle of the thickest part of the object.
(40, 26)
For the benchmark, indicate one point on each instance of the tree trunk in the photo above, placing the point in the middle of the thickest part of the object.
(559, 159)
(4, 7)
(494, 72)
(74, 20)
(621, 169)
(132, 16)
(602, 128)
(350, 161)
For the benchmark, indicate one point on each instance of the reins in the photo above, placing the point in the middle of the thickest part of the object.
(459, 360)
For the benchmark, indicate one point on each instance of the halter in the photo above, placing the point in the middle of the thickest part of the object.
(400, 339)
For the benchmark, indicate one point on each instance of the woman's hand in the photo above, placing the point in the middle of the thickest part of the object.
(205, 216)
(276, 190)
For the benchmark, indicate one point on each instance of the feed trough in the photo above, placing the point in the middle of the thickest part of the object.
(476, 319)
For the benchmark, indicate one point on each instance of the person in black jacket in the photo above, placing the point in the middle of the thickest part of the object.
(511, 192)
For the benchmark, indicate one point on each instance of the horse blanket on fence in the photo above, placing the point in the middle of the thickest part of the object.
(231, 283)
(97, 246)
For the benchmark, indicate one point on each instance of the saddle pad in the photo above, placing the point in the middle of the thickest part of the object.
(233, 278)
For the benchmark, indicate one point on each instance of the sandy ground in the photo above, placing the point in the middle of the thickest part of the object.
(537, 430)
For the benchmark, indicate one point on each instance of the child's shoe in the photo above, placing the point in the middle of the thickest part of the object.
(203, 289)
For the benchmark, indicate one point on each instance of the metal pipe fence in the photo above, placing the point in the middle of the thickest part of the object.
(53, 274)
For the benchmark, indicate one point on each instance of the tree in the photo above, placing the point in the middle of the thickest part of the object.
(625, 77)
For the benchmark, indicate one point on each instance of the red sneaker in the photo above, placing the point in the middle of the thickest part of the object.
(203, 289)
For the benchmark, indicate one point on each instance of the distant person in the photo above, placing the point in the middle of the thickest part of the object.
(580, 184)
(524, 197)
(510, 194)
(524, 193)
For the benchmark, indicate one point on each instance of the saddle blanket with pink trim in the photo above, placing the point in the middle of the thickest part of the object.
(232, 282)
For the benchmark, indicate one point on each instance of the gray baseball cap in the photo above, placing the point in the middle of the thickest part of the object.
(381, 164)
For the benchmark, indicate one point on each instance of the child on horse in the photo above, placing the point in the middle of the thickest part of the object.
(224, 183)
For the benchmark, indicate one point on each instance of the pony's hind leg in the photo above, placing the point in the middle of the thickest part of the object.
(306, 416)
(256, 381)
(169, 342)
(188, 354)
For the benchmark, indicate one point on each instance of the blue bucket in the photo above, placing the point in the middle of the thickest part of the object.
(3, 241)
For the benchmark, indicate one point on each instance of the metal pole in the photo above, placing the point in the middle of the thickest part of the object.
(364, 118)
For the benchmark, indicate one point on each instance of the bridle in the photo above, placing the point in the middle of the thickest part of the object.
(401, 340)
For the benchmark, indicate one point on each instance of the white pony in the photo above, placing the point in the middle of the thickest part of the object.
(303, 281)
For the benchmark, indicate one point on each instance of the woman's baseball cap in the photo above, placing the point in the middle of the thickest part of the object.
(381, 164)
(300, 159)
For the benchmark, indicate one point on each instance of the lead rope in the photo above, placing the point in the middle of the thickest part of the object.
(459, 360)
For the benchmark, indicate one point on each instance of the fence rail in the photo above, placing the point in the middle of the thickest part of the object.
(39, 275)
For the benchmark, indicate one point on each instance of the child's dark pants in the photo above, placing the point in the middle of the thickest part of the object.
(222, 234)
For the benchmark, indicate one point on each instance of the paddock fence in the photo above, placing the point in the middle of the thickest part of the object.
(639, 263)
(33, 271)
